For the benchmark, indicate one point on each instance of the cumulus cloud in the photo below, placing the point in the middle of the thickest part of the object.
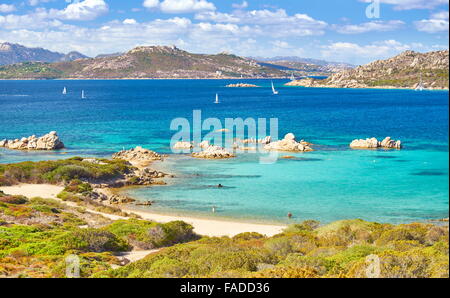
(436, 24)
(82, 10)
(129, 22)
(275, 22)
(412, 4)
(360, 54)
(243, 5)
(180, 6)
(5, 8)
(369, 26)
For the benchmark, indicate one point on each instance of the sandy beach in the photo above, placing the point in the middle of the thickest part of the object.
(206, 227)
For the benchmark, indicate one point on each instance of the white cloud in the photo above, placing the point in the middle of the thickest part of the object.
(151, 3)
(5, 8)
(243, 5)
(412, 4)
(369, 26)
(360, 54)
(281, 44)
(432, 25)
(82, 10)
(180, 6)
(437, 23)
(129, 22)
(36, 2)
(277, 23)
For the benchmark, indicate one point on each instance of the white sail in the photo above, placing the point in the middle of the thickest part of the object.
(292, 77)
(275, 92)
(82, 94)
(64, 91)
(217, 98)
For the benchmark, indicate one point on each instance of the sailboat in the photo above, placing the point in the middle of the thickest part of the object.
(292, 77)
(64, 91)
(82, 94)
(420, 87)
(217, 99)
(275, 92)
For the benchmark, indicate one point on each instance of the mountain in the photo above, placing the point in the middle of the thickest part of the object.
(145, 62)
(14, 53)
(307, 65)
(401, 71)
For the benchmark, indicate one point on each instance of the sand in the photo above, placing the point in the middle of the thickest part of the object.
(206, 227)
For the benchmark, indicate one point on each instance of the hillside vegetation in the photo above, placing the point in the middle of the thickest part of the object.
(145, 62)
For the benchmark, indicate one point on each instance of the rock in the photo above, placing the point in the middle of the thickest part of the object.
(373, 143)
(241, 85)
(400, 69)
(144, 176)
(94, 161)
(137, 155)
(50, 141)
(213, 152)
(148, 203)
(183, 146)
(288, 144)
(204, 144)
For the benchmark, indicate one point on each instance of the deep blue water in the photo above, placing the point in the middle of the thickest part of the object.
(331, 183)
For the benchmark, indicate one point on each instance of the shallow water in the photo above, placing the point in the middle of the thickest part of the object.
(331, 183)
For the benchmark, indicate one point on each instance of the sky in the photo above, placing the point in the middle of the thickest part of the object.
(352, 31)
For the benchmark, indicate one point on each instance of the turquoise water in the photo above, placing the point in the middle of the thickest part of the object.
(331, 183)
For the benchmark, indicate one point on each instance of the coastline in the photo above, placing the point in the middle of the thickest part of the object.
(202, 226)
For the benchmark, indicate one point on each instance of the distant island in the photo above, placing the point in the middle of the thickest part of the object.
(407, 70)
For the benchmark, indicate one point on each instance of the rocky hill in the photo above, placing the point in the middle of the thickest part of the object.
(14, 53)
(145, 62)
(402, 71)
(306, 66)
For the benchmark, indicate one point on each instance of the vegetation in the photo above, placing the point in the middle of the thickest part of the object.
(340, 249)
(62, 171)
(37, 235)
(29, 70)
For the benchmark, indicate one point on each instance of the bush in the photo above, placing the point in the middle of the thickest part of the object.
(91, 240)
(16, 200)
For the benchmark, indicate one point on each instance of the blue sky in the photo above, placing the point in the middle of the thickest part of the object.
(337, 30)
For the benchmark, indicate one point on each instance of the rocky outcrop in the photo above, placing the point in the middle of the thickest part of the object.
(50, 141)
(402, 71)
(145, 176)
(213, 152)
(183, 146)
(263, 141)
(373, 143)
(241, 85)
(137, 156)
(289, 144)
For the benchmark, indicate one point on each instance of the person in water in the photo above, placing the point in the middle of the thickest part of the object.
(289, 215)
(220, 185)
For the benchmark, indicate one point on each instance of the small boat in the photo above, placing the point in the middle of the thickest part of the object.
(275, 92)
(64, 91)
(217, 99)
(292, 77)
(82, 94)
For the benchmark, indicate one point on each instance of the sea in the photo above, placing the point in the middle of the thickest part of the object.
(332, 183)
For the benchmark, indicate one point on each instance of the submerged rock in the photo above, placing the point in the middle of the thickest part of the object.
(373, 143)
(50, 141)
(289, 144)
